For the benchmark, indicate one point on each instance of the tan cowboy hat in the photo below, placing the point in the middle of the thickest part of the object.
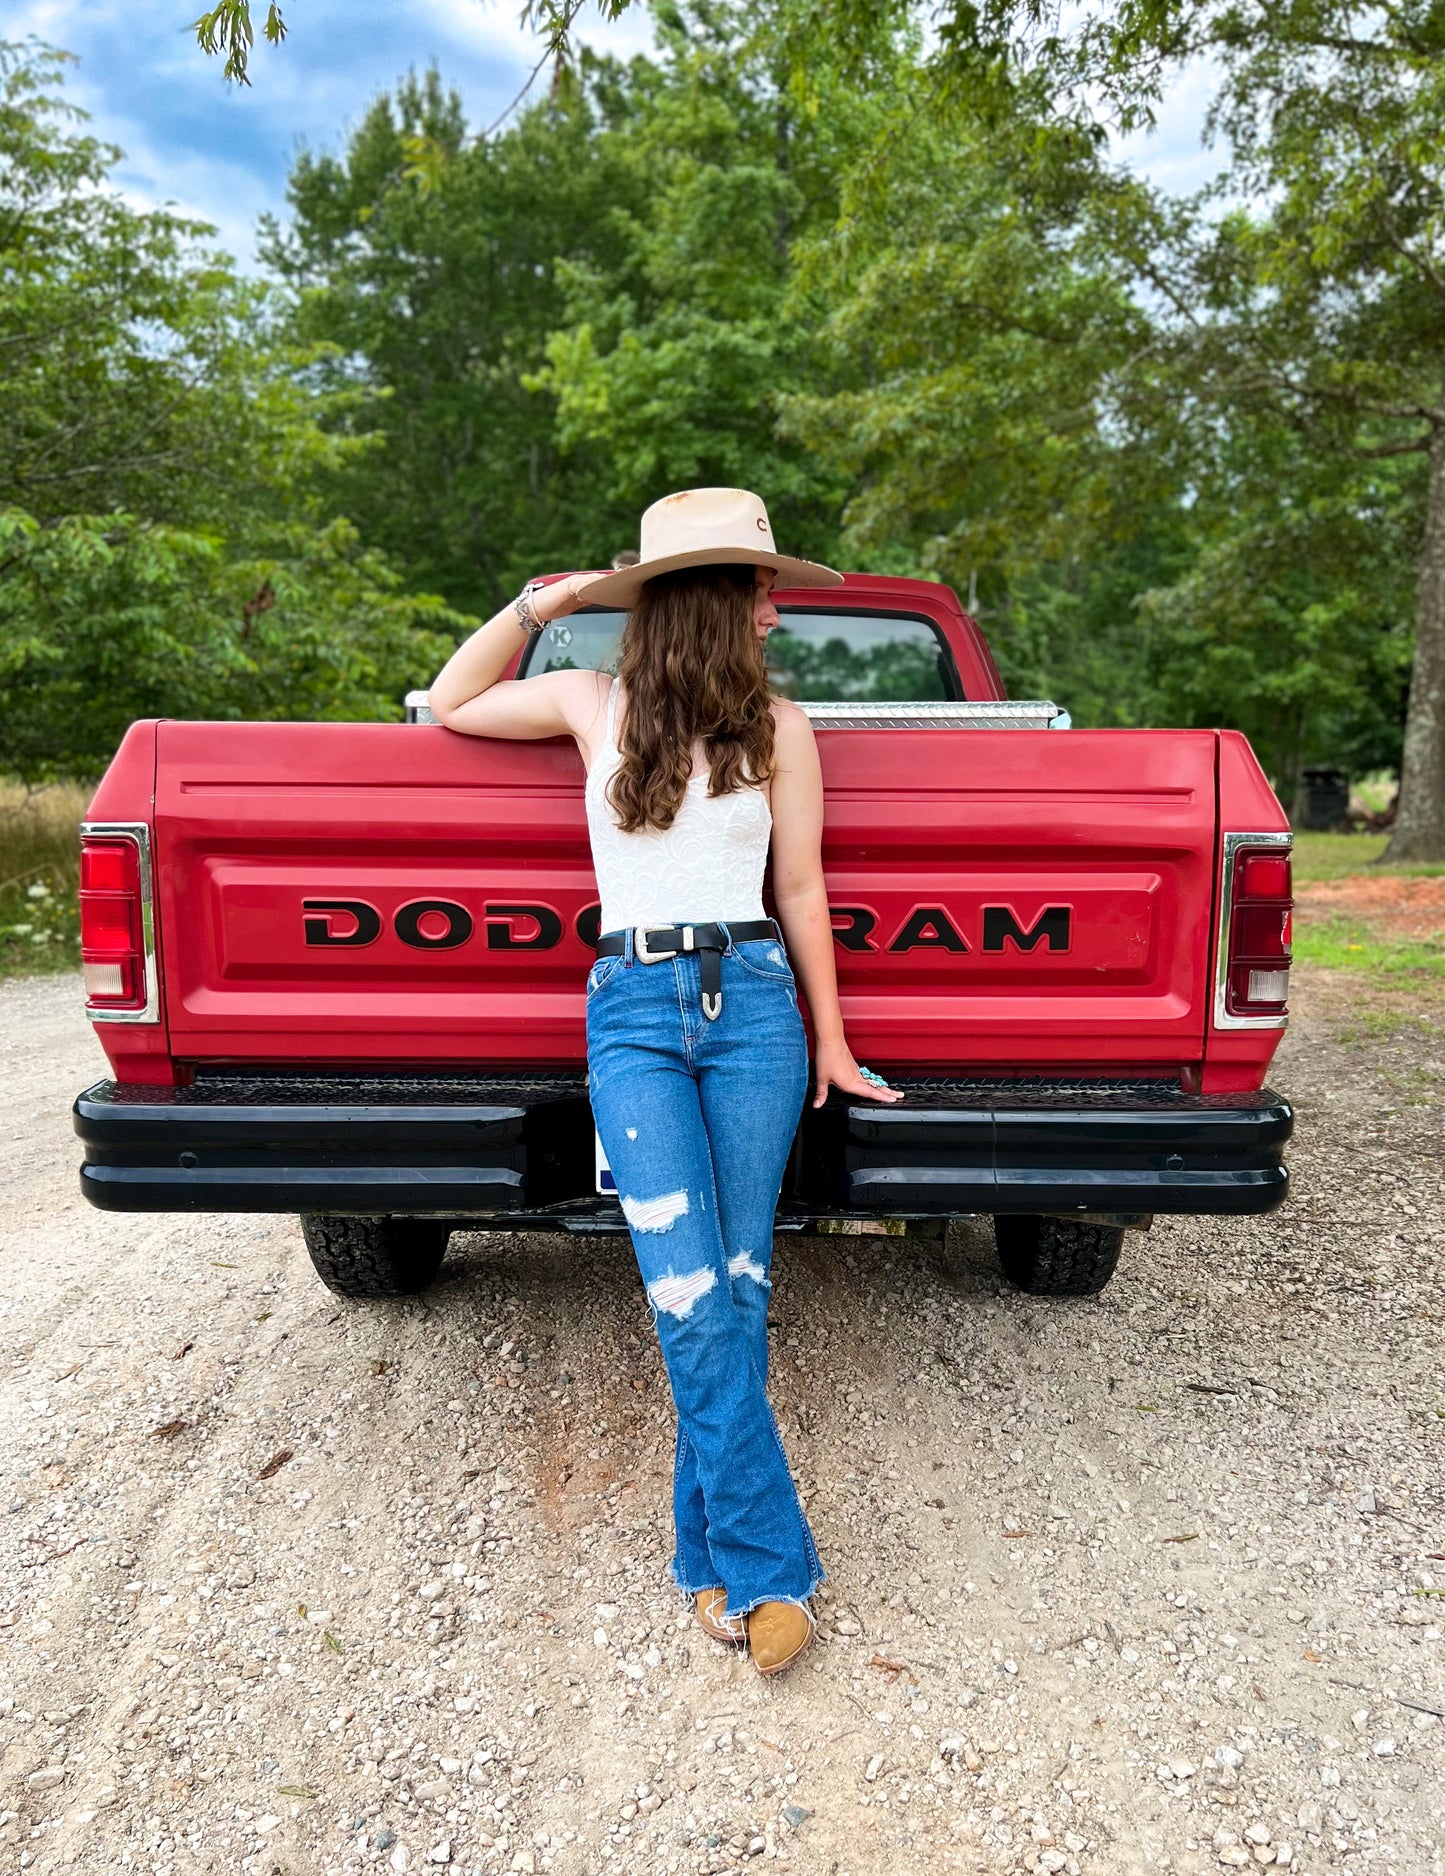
(702, 528)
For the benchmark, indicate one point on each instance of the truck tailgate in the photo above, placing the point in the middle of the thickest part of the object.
(364, 893)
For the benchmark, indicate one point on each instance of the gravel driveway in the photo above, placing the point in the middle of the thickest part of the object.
(1148, 1583)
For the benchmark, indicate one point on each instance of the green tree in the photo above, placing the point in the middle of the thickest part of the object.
(104, 619)
(1335, 111)
(1290, 618)
(1053, 368)
(425, 259)
(162, 544)
(120, 339)
(1325, 311)
(993, 406)
(679, 346)
(562, 322)
(976, 339)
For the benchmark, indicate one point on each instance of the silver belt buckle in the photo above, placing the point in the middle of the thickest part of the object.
(644, 956)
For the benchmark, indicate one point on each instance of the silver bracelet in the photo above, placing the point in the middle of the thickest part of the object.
(526, 611)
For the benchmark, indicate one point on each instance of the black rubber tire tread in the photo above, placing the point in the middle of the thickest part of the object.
(372, 1257)
(1056, 1256)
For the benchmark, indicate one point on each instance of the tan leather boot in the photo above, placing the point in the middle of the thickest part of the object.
(709, 1605)
(778, 1632)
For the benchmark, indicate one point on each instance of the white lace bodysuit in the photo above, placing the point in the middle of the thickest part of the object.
(707, 866)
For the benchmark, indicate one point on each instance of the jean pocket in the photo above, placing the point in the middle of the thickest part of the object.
(764, 957)
(602, 972)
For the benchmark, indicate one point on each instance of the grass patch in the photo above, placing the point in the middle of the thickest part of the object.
(1346, 944)
(1338, 856)
(39, 878)
(1384, 1025)
(1415, 1082)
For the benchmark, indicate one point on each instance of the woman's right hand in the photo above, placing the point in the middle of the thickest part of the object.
(834, 1067)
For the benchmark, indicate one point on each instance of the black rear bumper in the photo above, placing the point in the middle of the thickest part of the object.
(519, 1152)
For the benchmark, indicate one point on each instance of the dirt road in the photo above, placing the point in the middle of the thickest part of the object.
(1148, 1583)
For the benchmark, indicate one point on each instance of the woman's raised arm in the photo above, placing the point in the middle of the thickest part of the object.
(468, 693)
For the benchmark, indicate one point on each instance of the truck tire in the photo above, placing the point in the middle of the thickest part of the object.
(363, 1257)
(1057, 1256)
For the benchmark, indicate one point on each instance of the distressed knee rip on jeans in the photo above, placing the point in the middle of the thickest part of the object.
(655, 1214)
(746, 1265)
(677, 1294)
(659, 1214)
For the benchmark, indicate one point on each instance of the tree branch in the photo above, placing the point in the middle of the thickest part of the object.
(1411, 447)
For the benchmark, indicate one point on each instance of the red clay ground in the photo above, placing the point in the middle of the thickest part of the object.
(1398, 907)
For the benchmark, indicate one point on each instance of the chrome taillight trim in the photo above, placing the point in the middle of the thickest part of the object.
(1233, 844)
(140, 833)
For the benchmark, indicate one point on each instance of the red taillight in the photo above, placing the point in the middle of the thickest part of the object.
(109, 866)
(112, 938)
(1263, 876)
(1257, 959)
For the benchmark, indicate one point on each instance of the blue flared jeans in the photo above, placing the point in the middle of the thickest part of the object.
(697, 1118)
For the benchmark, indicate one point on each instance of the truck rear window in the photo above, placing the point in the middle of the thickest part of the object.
(814, 657)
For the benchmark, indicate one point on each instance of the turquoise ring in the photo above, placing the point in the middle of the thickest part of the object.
(868, 1075)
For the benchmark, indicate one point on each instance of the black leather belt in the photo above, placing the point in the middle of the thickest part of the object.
(654, 944)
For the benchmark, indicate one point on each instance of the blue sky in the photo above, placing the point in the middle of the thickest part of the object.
(221, 152)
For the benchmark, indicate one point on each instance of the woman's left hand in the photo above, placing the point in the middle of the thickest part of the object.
(833, 1065)
(562, 597)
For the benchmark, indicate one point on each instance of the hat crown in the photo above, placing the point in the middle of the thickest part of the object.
(696, 520)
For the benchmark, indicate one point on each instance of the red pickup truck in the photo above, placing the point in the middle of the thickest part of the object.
(338, 968)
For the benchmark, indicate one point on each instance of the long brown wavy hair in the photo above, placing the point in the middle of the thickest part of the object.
(692, 668)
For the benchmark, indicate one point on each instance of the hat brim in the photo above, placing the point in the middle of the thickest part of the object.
(622, 588)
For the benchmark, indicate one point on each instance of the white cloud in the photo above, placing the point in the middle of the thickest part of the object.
(197, 185)
(47, 19)
(491, 26)
(1174, 155)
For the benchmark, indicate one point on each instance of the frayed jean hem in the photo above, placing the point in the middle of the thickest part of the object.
(687, 1591)
(801, 1602)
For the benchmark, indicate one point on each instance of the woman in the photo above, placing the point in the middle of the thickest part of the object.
(697, 1061)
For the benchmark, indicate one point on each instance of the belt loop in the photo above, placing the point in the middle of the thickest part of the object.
(627, 947)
